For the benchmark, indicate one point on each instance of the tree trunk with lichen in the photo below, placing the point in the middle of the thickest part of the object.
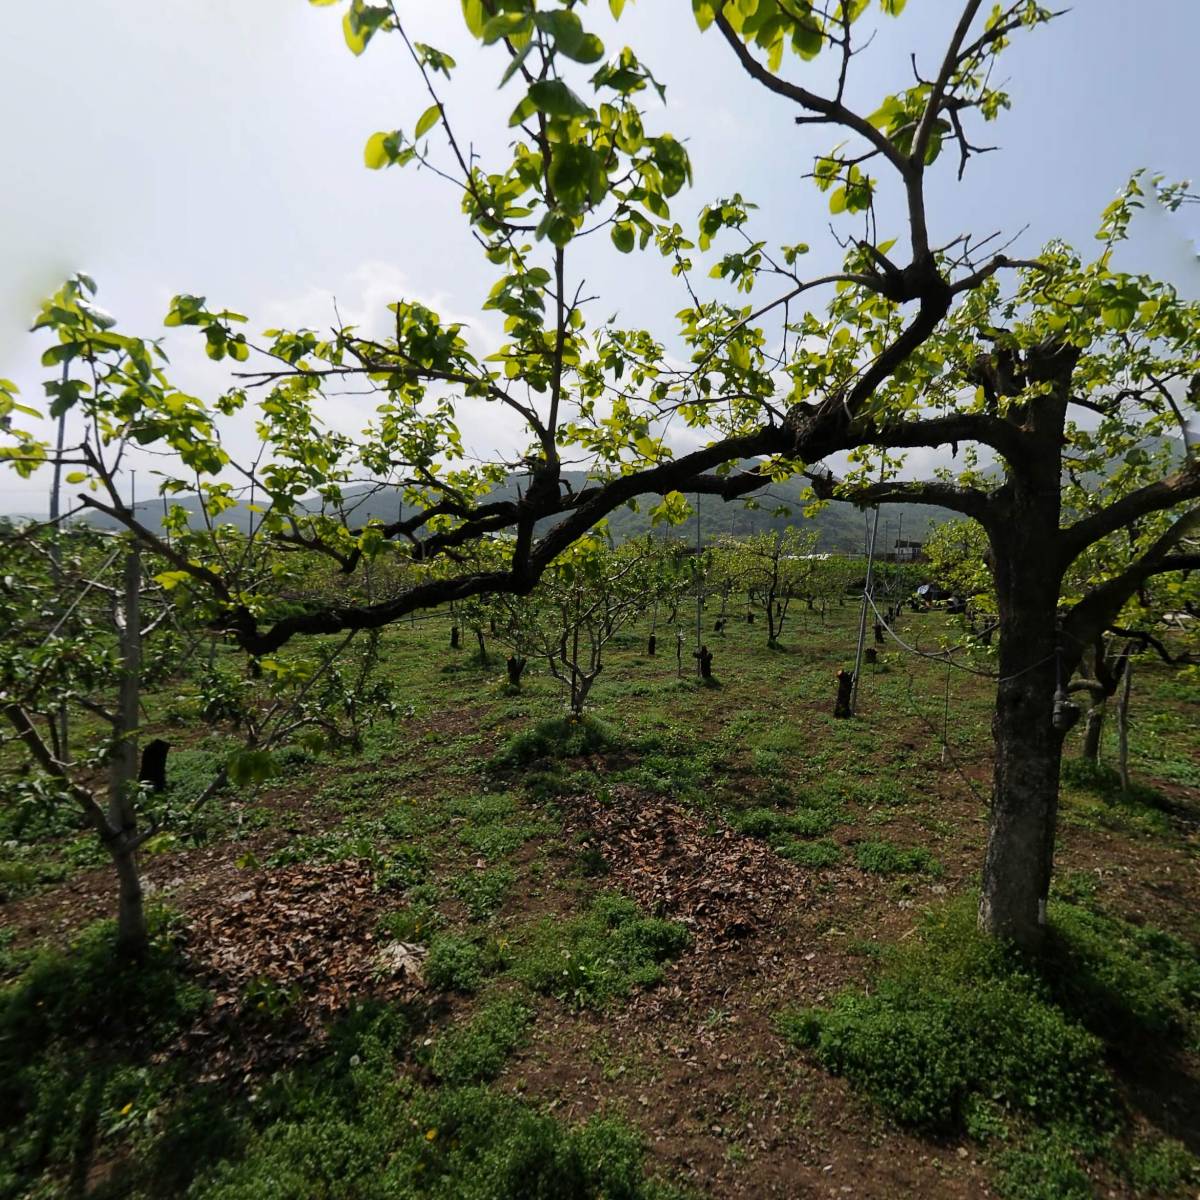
(1027, 724)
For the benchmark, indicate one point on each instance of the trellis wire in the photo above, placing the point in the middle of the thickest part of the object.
(944, 655)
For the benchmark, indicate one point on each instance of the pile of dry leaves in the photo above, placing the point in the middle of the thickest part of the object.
(723, 885)
(281, 955)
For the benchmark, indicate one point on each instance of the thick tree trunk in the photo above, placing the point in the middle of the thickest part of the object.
(1020, 850)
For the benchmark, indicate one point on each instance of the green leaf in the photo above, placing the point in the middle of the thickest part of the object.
(569, 37)
(623, 236)
(361, 22)
(505, 25)
(475, 16)
(577, 176)
(516, 62)
(553, 97)
(705, 13)
(383, 149)
(165, 579)
(429, 118)
(247, 767)
(1119, 316)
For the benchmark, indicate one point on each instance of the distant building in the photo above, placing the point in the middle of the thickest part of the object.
(907, 551)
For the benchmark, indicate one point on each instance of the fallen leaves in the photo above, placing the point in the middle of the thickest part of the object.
(285, 953)
(676, 863)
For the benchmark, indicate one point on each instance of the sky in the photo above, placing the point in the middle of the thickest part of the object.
(215, 147)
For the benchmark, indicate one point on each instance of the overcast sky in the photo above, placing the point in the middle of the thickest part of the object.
(215, 147)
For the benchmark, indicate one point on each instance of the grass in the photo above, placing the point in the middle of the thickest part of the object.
(459, 806)
(961, 1035)
(476, 1050)
(884, 858)
(600, 955)
(77, 1032)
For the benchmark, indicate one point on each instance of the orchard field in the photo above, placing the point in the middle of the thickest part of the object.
(397, 802)
(704, 941)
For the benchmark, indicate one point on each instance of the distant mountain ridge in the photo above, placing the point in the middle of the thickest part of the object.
(840, 526)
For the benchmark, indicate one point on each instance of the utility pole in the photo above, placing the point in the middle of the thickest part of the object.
(699, 585)
(64, 729)
(868, 585)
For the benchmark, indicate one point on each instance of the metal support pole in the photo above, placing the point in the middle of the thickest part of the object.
(868, 584)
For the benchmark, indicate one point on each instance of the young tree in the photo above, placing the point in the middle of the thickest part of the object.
(774, 568)
(586, 597)
(920, 345)
(76, 626)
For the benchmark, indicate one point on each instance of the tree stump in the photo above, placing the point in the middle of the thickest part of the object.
(845, 682)
(154, 765)
(516, 668)
(651, 645)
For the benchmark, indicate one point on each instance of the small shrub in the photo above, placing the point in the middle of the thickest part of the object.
(454, 964)
(599, 955)
(476, 1051)
(884, 858)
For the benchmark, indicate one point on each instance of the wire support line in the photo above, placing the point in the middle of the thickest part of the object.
(943, 656)
(914, 708)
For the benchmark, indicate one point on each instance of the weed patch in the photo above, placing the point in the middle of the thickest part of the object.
(74, 1029)
(561, 737)
(824, 853)
(600, 955)
(454, 964)
(884, 858)
(955, 1020)
(483, 891)
(476, 1051)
